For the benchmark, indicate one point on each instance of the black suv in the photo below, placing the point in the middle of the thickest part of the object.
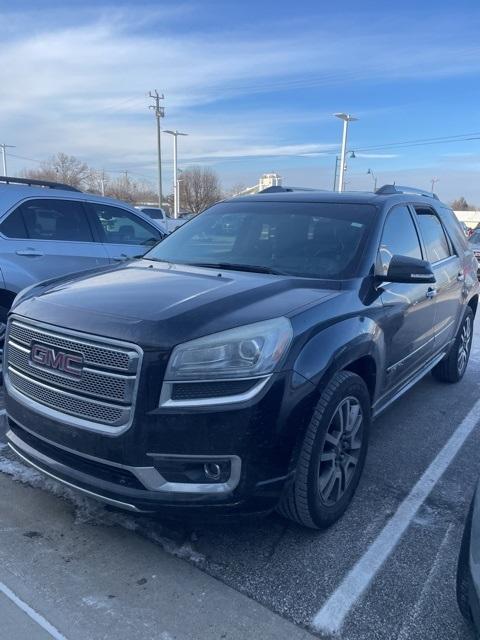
(237, 366)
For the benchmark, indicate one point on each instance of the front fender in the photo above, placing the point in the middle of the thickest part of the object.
(339, 345)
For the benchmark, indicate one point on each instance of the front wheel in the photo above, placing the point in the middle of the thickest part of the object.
(332, 454)
(452, 368)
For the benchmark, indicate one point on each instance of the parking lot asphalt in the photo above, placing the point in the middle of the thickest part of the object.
(407, 592)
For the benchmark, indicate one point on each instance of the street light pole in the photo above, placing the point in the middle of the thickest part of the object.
(4, 156)
(347, 118)
(176, 190)
(159, 113)
(370, 173)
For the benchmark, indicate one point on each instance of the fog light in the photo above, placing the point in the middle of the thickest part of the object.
(212, 470)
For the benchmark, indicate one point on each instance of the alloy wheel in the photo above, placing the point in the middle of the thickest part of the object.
(341, 451)
(464, 346)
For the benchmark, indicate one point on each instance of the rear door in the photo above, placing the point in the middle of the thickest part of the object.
(448, 270)
(409, 321)
(48, 237)
(125, 234)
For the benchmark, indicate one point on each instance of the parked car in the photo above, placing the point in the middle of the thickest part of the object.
(167, 223)
(468, 569)
(48, 229)
(474, 243)
(236, 368)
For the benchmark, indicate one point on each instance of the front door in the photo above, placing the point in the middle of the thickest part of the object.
(409, 323)
(125, 234)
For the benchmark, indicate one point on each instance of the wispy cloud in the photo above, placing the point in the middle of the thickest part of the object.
(77, 82)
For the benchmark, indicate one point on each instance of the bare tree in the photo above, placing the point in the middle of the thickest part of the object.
(129, 190)
(235, 190)
(199, 188)
(462, 205)
(73, 171)
(61, 168)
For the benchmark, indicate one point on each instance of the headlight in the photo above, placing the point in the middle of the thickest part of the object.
(248, 351)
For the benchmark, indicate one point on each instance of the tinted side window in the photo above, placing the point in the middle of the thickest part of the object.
(14, 226)
(56, 220)
(433, 234)
(399, 237)
(122, 227)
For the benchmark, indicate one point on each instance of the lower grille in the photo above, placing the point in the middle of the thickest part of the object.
(94, 468)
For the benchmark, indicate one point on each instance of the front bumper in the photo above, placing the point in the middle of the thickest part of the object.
(126, 471)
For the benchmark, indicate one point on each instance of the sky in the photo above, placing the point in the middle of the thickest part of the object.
(254, 84)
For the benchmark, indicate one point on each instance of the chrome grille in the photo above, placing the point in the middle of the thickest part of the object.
(99, 356)
(94, 383)
(102, 397)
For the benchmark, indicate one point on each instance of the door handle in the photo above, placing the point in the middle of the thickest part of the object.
(431, 292)
(29, 252)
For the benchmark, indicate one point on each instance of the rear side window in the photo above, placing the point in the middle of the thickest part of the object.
(13, 226)
(433, 234)
(399, 237)
(54, 219)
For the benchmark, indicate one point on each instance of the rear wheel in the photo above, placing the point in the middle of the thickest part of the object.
(452, 368)
(332, 454)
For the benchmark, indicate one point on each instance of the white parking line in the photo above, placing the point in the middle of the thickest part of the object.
(31, 613)
(331, 616)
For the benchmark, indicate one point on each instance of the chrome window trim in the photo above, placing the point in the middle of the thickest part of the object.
(65, 418)
(167, 389)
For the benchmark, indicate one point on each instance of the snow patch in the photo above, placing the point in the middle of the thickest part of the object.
(91, 512)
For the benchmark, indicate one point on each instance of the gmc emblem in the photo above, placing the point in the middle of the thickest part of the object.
(44, 356)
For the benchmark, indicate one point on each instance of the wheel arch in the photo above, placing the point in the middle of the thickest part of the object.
(473, 304)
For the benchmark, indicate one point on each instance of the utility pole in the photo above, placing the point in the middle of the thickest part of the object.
(176, 190)
(159, 112)
(4, 156)
(102, 181)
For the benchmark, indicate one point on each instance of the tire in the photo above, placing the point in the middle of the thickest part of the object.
(452, 368)
(463, 576)
(326, 476)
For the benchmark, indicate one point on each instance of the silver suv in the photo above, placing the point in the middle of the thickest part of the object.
(48, 229)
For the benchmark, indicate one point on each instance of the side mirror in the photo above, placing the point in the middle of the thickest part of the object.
(408, 270)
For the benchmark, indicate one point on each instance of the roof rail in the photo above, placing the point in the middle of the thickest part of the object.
(38, 183)
(280, 189)
(389, 189)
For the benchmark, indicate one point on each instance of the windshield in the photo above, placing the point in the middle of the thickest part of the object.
(322, 240)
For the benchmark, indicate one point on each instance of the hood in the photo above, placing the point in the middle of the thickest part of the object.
(185, 301)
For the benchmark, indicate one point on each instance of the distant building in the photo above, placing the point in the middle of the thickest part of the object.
(266, 180)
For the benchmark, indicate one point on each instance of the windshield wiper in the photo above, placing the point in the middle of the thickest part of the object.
(254, 268)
